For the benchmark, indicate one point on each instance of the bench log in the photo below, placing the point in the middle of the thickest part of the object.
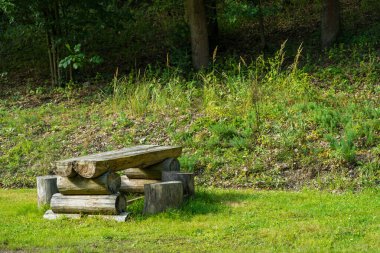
(108, 183)
(154, 171)
(135, 185)
(92, 166)
(88, 204)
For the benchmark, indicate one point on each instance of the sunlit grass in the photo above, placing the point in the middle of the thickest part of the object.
(216, 220)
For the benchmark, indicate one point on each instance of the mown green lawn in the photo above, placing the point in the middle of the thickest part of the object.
(215, 221)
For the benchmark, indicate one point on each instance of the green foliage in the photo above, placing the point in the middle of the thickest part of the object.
(243, 10)
(345, 147)
(77, 59)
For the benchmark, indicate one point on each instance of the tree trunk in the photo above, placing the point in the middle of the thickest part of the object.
(52, 25)
(89, 204)
(50, 54)
(261, 26)
(330, 22)
(161, 196)
(212, 24)
(53, 65)
(135, 185)
(108, 183)
(46, 188)
(196, 14)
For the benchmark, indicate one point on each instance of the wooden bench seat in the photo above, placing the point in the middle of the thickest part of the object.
(92, 166)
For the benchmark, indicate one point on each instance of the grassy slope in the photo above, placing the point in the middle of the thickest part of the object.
(269, 124)
(216, 220)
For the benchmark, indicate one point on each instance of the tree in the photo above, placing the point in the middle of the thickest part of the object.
(40, 13)
(261, 26)
(212, 24)
(330, 22)
(196, 16)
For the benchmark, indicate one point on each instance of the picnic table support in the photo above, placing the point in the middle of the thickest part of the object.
(187, 180)
(161, 196)
(46, 188)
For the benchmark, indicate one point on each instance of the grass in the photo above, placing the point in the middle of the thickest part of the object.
(216, 220)
(278, 122)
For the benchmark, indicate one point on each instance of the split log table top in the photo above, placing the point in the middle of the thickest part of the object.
(92, 166)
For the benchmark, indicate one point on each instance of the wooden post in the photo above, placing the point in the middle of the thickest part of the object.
(330, 22)
(46, 188)
(50, 215)
(108, 183)
(160, 196)
(89, 204)
(187, 180)
(196, 14)
(134, 185)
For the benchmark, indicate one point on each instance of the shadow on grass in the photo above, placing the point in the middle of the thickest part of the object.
(203, 203)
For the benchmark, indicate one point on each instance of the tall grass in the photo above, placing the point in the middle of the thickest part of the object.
(151, 92)
(235, 90)
(269, 104)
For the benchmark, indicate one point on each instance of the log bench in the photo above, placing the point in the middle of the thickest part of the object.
(89, 184)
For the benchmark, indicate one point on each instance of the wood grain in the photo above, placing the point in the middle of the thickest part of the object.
(108, 183)
(135, 185)
(187, 180)
(154, 171)
(92, 166)
(161, 196)
(88, 204)
(46, 188)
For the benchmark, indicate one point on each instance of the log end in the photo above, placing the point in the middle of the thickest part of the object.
(86, 169)
(174, 164)
(65, 169)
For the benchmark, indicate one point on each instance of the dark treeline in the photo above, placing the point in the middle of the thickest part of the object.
(68, 38)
